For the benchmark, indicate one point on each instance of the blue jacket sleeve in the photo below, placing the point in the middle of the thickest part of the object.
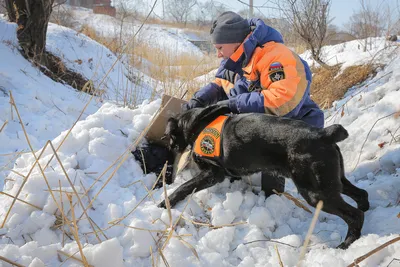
(247, 103)
(210, 94)
(243, 101)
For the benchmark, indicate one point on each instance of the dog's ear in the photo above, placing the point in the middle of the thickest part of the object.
(174, 135)
(171, 127)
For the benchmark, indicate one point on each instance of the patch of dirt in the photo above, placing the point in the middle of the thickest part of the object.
(55, 69)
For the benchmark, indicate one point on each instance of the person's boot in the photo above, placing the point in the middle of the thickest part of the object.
(270, 182)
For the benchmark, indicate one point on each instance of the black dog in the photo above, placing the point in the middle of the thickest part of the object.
(257, 142)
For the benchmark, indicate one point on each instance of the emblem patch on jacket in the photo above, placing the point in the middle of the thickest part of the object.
(276, 72)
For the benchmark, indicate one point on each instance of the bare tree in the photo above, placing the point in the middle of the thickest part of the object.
(32, 17)
(207, 11)
(369, 21)
(10, 11)
(124, 13)
(310, 20)
(180, 10)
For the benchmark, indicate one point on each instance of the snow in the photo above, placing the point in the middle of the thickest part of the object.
(229, 224)
(170, 40)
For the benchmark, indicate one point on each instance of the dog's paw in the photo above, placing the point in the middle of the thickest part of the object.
(162, 205)
(364, 206)
(343, 245)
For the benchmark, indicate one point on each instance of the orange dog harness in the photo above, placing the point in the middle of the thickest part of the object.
(208, 143)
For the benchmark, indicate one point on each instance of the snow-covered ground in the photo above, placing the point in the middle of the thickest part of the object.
(173, 41)
(95, 158)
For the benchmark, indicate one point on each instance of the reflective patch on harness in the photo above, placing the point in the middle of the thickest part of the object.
(208, 143)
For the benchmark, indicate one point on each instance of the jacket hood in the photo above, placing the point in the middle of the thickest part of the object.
(260, 35)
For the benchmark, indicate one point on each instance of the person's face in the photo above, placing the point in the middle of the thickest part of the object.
(226, 50)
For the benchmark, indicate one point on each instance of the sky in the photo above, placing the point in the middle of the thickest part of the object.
(341, 10)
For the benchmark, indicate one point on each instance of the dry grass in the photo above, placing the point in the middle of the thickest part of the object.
(13, 263)
(110, 43)
(171, 69)
(318, 209)
(372, 252)
(329, 85)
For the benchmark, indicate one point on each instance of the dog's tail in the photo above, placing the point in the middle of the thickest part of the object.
(335, 133)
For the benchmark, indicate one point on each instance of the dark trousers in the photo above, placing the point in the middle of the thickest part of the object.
(270, 182)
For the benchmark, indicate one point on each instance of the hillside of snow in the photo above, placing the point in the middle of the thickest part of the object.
(118, 221)
(173, 41)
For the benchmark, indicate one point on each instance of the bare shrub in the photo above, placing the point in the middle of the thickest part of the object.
(310, 20)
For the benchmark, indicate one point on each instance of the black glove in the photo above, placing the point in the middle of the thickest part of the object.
(229, 103)
(193, 103)
(223, 103)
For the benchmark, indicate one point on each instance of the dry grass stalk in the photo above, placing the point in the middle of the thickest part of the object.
(73, 188)
(62, 191)
(126, 153)
(85, 190)
(16, 155)
(189, 246)
(123, 157)
(213, 226)
(365, 256)
(166, 199)
(137, 205)
(366, 138)
(11, 110)
(12, 102)
(128, 185)
(196, 222)
(70, 129)
(98, 227)
(267, 240)
(141, 229)
(70, 257)
(23, 201)
(63, 221)
(41, 169)
(148, 191)
(116, 221)
(18, 173)
(173, 227)
(30, 171)
(152, 257)
(310, 230)
(75, 233)
(22, 186)
(4, 125)
(227, 225)
(144, 161)
(11, 262)
(163, 258)
(296, 201)
(279, 256)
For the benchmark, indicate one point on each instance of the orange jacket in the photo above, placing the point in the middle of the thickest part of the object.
(264, 76)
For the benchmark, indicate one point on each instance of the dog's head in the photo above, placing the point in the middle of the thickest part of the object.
(174, 135)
